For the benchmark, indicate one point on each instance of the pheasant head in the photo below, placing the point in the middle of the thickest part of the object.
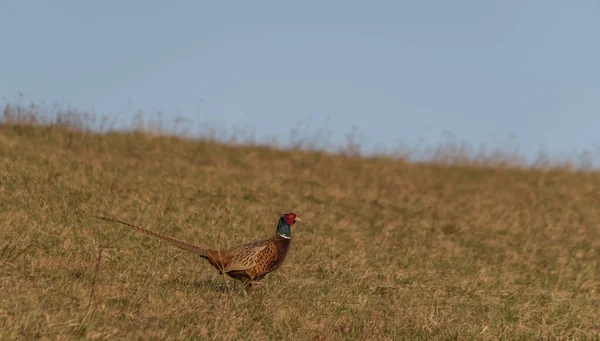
(285, 222)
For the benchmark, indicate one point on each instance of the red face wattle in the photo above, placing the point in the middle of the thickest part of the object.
(291, 218)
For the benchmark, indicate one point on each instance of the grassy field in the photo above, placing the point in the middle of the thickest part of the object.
(387, 250)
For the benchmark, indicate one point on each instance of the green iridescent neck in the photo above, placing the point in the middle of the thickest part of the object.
(283, 229)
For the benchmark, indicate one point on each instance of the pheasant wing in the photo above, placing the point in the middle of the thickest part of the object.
(245, 257)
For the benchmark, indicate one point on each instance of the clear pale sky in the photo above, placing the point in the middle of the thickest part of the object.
(398, 70)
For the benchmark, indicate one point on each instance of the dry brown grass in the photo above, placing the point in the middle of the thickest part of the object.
(388, 250)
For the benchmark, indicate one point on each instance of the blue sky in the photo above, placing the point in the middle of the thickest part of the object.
(488, 72)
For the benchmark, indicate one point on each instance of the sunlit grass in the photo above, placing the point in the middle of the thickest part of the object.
(388, 249)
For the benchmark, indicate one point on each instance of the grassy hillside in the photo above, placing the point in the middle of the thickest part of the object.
(387, 250)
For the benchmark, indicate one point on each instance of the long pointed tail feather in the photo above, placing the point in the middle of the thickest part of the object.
(202, 252)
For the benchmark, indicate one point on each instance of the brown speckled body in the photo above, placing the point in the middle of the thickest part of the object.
(271, 255)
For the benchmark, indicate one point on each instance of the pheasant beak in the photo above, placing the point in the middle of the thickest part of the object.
(297, 219)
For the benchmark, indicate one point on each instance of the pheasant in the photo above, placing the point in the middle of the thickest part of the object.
(248, 263)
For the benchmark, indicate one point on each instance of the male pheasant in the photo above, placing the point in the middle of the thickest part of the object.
(249, 262)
